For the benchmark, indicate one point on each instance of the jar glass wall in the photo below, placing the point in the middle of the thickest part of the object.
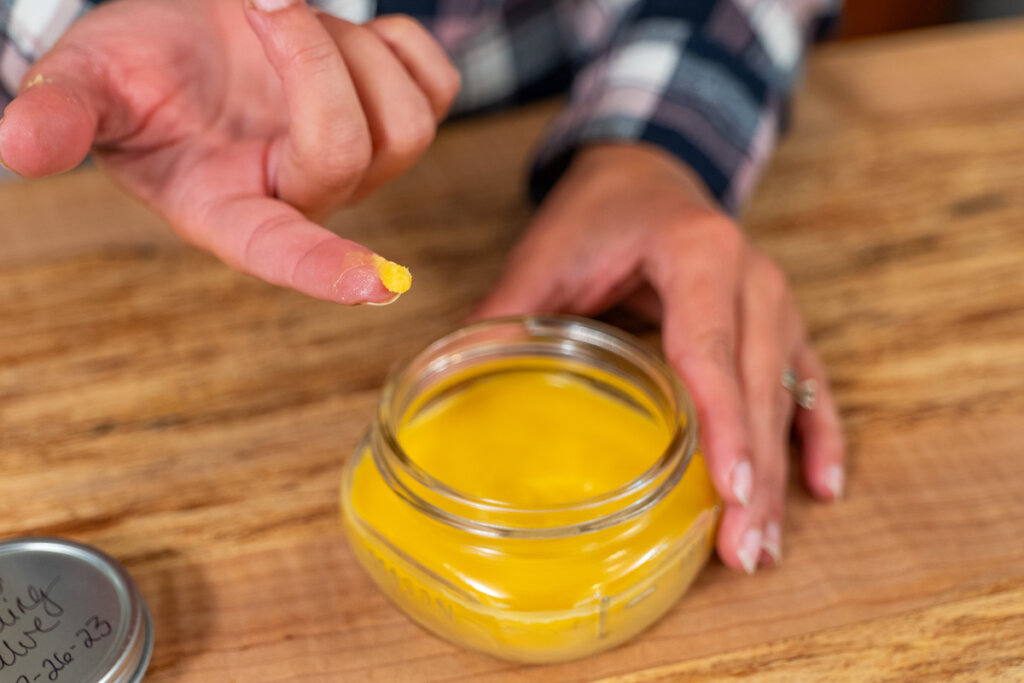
(531, 488)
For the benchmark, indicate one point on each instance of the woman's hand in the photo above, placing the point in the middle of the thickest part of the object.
(241, 126)
(628, 223)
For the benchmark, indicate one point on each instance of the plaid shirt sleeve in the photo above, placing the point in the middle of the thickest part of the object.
(706, 80)
(28, 29)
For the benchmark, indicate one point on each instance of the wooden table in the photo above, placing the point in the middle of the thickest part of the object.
(192, 421)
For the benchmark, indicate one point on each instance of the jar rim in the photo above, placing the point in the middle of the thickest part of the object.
(637, 494)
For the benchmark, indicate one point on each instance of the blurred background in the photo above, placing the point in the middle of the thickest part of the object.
(872, 17)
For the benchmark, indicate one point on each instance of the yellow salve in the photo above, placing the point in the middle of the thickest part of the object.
(395, 278)
(533, 438)
(532, 441)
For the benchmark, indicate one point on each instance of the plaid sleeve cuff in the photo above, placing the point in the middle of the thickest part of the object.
(707, 84)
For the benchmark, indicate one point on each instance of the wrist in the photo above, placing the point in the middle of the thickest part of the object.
(637, 161)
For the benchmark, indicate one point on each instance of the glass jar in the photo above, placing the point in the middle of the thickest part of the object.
(559, 505)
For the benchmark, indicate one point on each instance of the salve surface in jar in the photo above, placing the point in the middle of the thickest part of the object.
(531, 489)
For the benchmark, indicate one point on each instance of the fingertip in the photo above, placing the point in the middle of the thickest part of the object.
(742, 482)
(835, 480)
(45, 130)
(739, 540)
(729, 461)
(771, 544)
(344, 272)
(821, 434)
(361, 285)
(367, 278)
(273, 241)
(828, 482)
(824, 458)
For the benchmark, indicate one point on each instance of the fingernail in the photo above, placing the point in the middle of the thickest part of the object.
(271, 5)
(361, 284)
(367, 279)
(742, 482)
(750, 549)
(835, 480)
(771, 543)
(382, 303)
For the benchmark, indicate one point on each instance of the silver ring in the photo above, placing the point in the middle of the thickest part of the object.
(803, 391)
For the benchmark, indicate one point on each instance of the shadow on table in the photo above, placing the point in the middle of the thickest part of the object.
(179, 599)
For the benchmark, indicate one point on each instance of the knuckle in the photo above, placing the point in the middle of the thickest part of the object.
(771, 462)
(766, 394)
(716, 345)
(770, 488)
(771, 278)
(250, 256)
(450, 83)
(342, 163)
(414, 135)
(772, 473)
(313, 57)
(401, 25)
(783, 404)
(726, 236)
(710, 232)
(712, 345)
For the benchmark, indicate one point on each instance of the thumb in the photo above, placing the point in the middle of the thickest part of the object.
(50, 126)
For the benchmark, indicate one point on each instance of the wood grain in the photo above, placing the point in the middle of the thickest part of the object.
(978, 638)
(192, 421)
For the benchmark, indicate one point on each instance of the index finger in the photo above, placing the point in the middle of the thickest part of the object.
(275, 242)
(699, 292)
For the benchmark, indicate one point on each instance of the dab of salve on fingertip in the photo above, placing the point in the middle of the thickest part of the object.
(394, 277)
(38, 80)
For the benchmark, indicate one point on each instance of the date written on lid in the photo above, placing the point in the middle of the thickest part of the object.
(69, 613)
(34, 625)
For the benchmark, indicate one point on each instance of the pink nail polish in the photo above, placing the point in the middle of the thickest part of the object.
(356, 284)
(835, 480)
(750, 549)
(742, 482)
(771, 542)
(359, 281)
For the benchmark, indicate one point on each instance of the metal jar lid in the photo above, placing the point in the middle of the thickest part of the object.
(71, 613)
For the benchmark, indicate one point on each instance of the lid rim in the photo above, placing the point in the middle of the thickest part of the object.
(126, 657)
